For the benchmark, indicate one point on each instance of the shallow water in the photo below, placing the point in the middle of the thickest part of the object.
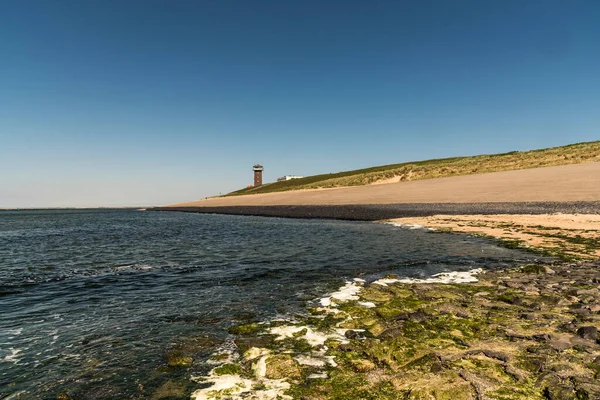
(91, 301)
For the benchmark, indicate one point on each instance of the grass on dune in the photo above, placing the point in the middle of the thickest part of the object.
(438, 168)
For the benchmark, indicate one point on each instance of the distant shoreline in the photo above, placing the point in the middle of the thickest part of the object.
(72, 208)
(375, 212)
(567, 183)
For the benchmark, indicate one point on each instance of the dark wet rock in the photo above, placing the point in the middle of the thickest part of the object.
(491, 354)
(480, 385)
(345, 347)
(102, 392)
(582, 348)
(245, 343)
(541, 337)
(391, 333)
(586, 388)
(535, 363)
(515, 335)
(541, 349)
(171, 390)
(517, 374)
(588, 332)
(436, 367)
(352, 334)
(557, 388)
(460, 342)
(511, 298)
(417, 316)
(526, 316)
(568, 327)
(558, 392)
(582, 313)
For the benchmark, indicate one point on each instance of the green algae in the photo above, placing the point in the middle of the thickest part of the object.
(533, 269)
(178, 359)
(244, 329)
(282, 366)
(228, 369)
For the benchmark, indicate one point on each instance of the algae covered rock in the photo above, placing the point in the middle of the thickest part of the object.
(438, 387)
(282, 366)
(244, 329)
(170, 390)
(228, 369)
(363, 365)
(178, 359)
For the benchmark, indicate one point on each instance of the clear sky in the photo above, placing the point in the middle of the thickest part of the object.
(117, 102)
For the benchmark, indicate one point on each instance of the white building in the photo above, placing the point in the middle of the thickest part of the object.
(288, 177)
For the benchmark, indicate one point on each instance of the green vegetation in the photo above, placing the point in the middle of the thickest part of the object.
(409, 171)
(228, 369)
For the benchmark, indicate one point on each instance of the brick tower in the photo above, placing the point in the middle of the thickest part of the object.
(258, 170)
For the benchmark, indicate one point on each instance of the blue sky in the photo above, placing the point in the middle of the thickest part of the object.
(108, 103)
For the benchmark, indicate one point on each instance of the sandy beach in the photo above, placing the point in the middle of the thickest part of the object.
(572, 234)
(577, 182)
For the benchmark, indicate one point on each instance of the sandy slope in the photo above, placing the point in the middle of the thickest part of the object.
(577, 182)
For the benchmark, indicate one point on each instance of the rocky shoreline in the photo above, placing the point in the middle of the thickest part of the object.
(530, 332)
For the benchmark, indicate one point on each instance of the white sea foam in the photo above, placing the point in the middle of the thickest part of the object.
(255, 352)
(234, 384)
(368, 304)
(235, 387)
(260, 367)
(347, 292)
(314, 338)
(408, 226)
(444, 277)
(311, 361)
(223, 356)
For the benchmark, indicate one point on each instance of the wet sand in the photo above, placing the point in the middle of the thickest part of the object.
(572, 234)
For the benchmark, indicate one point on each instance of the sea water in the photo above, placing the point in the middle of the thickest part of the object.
(91, 301)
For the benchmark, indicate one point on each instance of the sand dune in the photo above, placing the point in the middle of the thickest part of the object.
(577, 182)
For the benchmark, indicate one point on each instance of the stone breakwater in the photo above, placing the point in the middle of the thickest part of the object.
(375, 212)
(530, 332)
